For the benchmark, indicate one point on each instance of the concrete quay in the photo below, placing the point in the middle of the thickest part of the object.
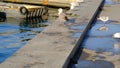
(55, 46)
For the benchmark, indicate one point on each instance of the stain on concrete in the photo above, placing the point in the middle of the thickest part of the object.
(53, 33)
(32, 64)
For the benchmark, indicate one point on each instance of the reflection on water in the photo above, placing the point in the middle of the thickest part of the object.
(100, 42)
(79, 28)
(94, 64)
(112, 2)
(116, 47)
(15, 33)
(33, 23)
(106, 42)
(108, 1)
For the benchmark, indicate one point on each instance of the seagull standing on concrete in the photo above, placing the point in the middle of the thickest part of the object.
(72, 6)
(104, 19)
(62, 16)
(75, 3)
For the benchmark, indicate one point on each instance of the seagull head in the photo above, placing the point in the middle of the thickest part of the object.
(60, 10)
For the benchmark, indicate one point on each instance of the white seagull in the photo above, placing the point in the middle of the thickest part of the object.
(76, 3)
(62, 16)
(73, 5)
(116, 35)
(104, 19)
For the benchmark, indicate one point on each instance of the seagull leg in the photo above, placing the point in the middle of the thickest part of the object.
(104, 24)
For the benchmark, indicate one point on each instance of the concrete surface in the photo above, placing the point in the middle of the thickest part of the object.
(55, 46)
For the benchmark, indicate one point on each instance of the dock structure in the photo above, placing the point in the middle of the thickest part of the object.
(23, 10)
(53, 3)
(55, 46)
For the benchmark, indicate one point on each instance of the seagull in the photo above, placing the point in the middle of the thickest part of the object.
(104, 19)
(72, 6)
(116, 35)
(62, 16)
(76, 3)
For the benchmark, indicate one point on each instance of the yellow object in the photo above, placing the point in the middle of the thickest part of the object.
(45, 2)
(72, 0)
(12, 0)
